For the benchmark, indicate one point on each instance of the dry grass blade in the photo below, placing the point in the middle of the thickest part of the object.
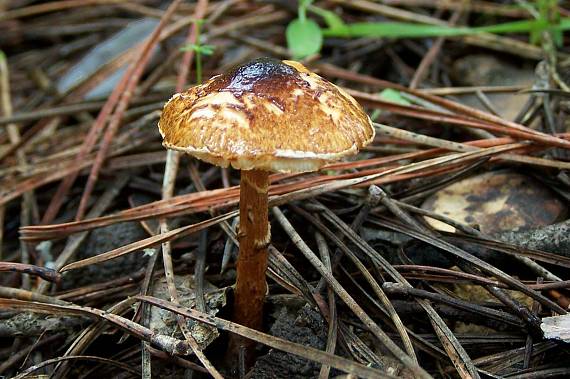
(282, 194)
(347, 299)
(507, 318)
(53, 361)
(148, 242)
(134, 75)
(448, 104)
(52, 6)
(468, 121)
(166, 343)
(43, 272)
(70, 109)
(377, 289)
(20, 294)
(74, 242)
(455, 351)
(482, 265)
(285, 274)
(169, 180)
(456, 146)
(306, 352)
(172, 206)
(332, 334)
(444, 91)
(542, 256)
(86, 337)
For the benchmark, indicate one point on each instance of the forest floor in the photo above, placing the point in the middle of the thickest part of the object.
(441, 250)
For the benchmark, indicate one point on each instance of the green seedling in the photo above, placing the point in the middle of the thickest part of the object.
(549, 13)
(304, 39)
(391, 95)
(199, 50)
(304, 36)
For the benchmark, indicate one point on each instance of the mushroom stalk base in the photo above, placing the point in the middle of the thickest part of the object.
(254, 237)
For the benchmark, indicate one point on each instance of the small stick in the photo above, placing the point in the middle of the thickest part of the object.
(29, 201)
(433, 52)
(52, 6)
(134, 74)
(349, 300)
(332, 334)
(529, 339)
(42, 272)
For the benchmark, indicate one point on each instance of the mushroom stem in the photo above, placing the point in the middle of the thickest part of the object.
(254, 237)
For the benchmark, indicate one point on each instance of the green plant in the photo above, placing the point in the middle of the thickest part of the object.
(392, 96)
(549, 13)
(304, 39)
(199, 50)
(304, 36)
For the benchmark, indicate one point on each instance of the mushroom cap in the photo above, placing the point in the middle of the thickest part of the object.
(268, 115)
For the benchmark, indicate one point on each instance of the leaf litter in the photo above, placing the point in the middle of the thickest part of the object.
(72, 162)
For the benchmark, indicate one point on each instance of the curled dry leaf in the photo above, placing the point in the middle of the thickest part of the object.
(556, 327)
(164, 322)
(495, 202)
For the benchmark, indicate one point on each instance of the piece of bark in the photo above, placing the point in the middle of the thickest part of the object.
(553, 238)
(556, 327)
(30, 324)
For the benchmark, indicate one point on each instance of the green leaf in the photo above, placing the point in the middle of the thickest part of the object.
(393, 96)
(331, 19)
(303, 4)
(304, 38)
(558, 38)
(392, 29)
(207, 49)
(409, 30)
(190, 47)
(202, 49)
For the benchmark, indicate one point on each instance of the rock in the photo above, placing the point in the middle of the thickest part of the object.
(487, 70)
(164, 322)
(556, 327)
(495, 202)
(135, 32)
(27, 324)
(553, 239)
(100, 241)
(308, 329)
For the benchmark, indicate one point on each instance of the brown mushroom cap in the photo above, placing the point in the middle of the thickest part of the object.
(268, 115)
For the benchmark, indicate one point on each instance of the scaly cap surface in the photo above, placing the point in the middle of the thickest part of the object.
(266, 114)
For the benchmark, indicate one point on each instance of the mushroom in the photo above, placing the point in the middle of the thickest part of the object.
(260, 117)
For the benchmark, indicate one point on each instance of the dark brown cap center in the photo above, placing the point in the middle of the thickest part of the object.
(259, 76)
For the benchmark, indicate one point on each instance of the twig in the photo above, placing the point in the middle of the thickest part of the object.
(73, 243)
(434, 50)
(52, 6)
(394, 317)
(134, 73)
(332, 334)
(306, 352)
(350, 302)
(28, 203)
(43, 272)
(167, 343)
